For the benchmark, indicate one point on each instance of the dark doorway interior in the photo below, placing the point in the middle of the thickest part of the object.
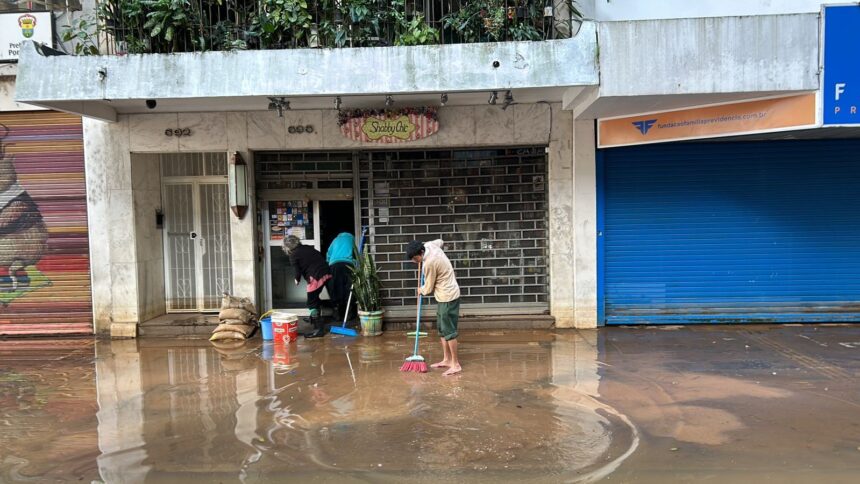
(335, 217)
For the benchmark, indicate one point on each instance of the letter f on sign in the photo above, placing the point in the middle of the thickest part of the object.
(840, 88)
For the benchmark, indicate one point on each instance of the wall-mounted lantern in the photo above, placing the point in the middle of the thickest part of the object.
(237, 184)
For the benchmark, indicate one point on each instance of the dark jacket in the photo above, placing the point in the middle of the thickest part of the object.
(309, 263)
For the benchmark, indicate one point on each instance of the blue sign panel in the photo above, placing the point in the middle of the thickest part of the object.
(841, 85)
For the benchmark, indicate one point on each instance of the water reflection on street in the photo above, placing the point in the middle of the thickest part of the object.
(568, 406)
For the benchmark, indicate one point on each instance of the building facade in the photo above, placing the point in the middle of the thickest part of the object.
(543, 206)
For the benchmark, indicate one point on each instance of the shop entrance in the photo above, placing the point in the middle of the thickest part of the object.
(488, 204)
(337, 217)
(316, 223)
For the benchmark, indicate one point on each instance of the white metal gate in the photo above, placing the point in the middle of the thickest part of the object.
(198, 259)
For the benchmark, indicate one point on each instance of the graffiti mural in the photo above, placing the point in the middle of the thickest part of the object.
(45, 283)
(23, 234)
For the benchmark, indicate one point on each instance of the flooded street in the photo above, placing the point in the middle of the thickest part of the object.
(719, 404)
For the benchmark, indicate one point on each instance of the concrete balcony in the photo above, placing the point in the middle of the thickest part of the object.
(104, 86)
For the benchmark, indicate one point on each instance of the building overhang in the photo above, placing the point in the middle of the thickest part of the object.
(104, 86)
(655, 65)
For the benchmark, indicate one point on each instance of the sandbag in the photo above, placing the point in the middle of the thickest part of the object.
(230, 347)
(225, 335)
(239, 328)
(236, 314)
(236, 321)
(232, 302)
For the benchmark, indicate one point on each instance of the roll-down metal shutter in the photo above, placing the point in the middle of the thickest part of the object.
(731, 232)
(44, 250)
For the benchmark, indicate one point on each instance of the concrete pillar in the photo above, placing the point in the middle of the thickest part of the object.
(561, 251)
(110, 209)
(146, 186)
(584, 225)
(242, 232)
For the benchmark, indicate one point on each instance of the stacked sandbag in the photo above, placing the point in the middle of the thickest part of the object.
(238, 318)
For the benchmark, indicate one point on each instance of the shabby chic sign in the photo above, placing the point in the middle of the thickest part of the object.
(389, 126)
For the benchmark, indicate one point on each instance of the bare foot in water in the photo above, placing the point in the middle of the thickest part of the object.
(441, 364)
(453, 370)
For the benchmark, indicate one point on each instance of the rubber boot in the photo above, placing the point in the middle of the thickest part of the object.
(319, 328)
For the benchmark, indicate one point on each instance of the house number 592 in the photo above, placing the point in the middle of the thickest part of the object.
(178, 132)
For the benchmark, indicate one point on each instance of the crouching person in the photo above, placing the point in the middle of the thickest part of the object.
(340, 261)
(310, 264)
(439, 280)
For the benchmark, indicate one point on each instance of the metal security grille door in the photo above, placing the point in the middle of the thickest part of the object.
(196, 233)
(490, 207)
(216, 266)
(731, 232)
(179, 228)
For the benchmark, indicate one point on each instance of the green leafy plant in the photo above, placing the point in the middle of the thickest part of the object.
(164, 26)
(225, 37)
(170, 23)
(365, 282)
(124, 20)
(414, 31)
(497, 20)
(283, 23)
(84, 35)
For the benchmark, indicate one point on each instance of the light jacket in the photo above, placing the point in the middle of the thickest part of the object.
(439, 279)
(341, 249)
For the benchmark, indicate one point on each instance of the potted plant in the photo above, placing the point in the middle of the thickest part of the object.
(365, 287)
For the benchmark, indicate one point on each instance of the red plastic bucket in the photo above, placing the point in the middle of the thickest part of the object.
(285, 327)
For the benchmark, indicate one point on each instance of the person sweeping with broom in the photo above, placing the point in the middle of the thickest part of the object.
(440, 281)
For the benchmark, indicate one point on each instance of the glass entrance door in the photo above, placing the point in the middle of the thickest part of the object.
(285, 218)
(316, 223)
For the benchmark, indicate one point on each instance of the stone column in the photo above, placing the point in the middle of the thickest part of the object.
(584, 225)
(243, 232)
(561, 255)
(110, 210)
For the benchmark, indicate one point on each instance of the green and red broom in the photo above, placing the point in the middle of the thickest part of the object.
(416, 362)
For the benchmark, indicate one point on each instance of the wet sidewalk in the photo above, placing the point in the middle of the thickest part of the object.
(717, 404)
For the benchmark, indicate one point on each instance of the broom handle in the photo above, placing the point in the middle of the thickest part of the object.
(418, 317)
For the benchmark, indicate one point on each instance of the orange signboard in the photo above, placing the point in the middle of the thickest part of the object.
(745, 117)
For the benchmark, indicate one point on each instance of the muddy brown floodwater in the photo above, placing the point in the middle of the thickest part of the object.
(718, 404)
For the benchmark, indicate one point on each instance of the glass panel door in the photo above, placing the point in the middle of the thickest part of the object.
(288, 217)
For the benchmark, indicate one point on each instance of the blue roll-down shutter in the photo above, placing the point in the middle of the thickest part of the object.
(748, 232)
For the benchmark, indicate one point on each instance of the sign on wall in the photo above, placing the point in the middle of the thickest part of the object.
(18, 27)
(389, 126)
(841, 85)
(729, 119)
